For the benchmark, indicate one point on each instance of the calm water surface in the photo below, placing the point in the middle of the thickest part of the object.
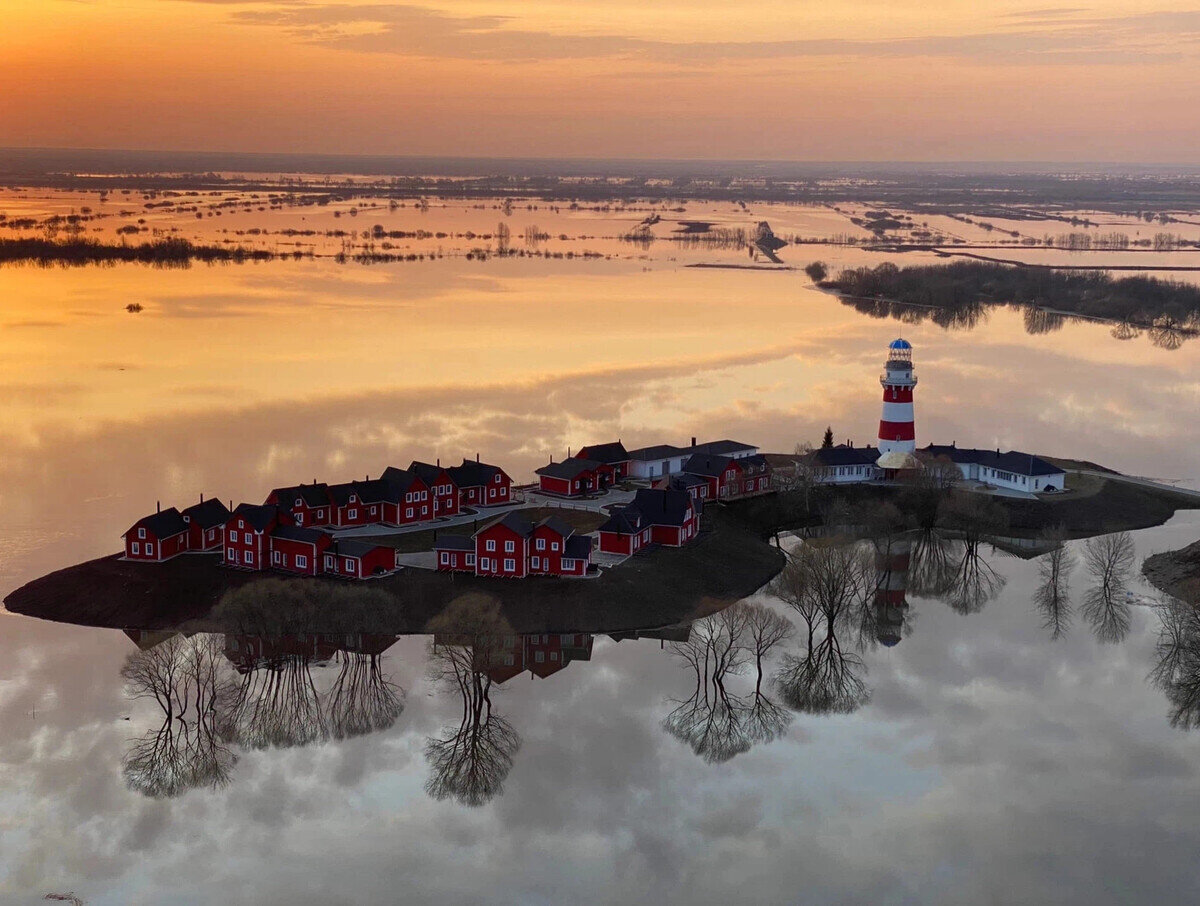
(992, 763)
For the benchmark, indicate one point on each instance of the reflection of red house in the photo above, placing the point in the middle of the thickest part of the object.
(442, 489)
(308, 504)
(250, 652)
(481, 484)
(655, 516)
(157, 537)
(541, 655)
(205, 521)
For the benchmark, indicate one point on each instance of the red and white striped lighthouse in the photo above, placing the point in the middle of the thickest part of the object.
(896, 429)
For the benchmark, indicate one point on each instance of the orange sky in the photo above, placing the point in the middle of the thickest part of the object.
(801, 79)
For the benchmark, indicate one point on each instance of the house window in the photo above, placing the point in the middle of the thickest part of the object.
(485, 564)
(134, 547)
(233, 537)
(353, 499)
(149, 548)
(249, 558)
(491, 546)
(510, 565)
(408, 512)
(329, 562)
(540, 544)
(424, 511)
(352, 514)
(554, 655)
(276, 556)
(230, 555)
(509, 547)
(470, 559)
(539, 656)
(212, 534)
(445, 558)
(301, 561)
(349, 565)
(568, 564)
(504, 492)
(553, 545)
(320, 514)
(537, 563)
(374, 510)
(497, 479)
(141, 533)
(299, 519)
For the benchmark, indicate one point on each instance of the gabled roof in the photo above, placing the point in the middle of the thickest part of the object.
(606, 453)
(557, 524)
(340, 493)
(723, 447)
(348, 547)
(428, 472)
(568, 468)
(754, 462)
(400, 479)
(297, 533)
(1011, 461)
(659, 451)
(260, 517)
(706, 464)
(473, 474)
(311, 494)
(207, 513)
(377, 490)
(578, 547)
(514, 520)
(625, 521)
(163, 524)
(665, 506)
(454, 543)
(683, 481)
(843, 455)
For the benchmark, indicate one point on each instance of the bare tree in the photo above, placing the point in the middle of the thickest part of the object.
(1177, 671)
(1052, 598)
(362, 699)
(972, 582)
(1109, 559)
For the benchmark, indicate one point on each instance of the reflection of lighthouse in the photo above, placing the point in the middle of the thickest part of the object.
(891, 587)
(896, 430)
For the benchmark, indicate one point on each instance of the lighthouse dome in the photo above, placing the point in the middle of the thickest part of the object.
(900, 344)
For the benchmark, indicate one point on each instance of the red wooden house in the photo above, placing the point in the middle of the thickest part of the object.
(720, 473)
(557, 550)
(308, 504)
(755, 477)
(541, 655)
(454, 553)
(157, 537)
(442, 489)
(613, 455)
(299, 550)
(656, 516)
(206, 522)
(406, 498)
(247, 536)
(502, 546)
(351, 559)
(481, 484)
(573, 477)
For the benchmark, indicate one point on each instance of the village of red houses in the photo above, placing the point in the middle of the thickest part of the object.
(655, 496)
(304, 530)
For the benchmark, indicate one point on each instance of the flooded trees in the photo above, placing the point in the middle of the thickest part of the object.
(1177, 670)
(1052, 597)
(971, 581)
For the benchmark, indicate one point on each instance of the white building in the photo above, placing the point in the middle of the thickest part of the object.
(1012, 470)
(666, 459)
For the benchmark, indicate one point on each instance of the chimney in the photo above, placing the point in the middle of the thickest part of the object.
(477, 456)
(202, 497)
(693, 441)
(439, 462)
(158, 506)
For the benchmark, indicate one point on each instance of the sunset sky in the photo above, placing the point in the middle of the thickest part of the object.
(801, 79)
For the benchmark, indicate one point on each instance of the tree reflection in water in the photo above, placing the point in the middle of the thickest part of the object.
(829, 587)
(470, 762)
(185, 676)
(1052, 598)
(1177, 671)
(716, 722)
(970, 581)
(1109, 559)
(277, 705)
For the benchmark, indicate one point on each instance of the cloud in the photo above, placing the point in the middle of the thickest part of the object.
(1043, 36)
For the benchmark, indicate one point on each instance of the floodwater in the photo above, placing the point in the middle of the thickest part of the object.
(991, 763)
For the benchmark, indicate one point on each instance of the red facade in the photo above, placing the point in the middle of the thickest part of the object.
(247, 541)
(300, 557)
(500, 551)
(377, 561)
(143, 543)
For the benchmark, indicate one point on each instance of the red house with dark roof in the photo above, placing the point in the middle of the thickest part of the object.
(206, 522)
(247, 535)
(352, 559)
(454, 553)
(513, 546)
(655, 516)
(720, 473)
(612, 455)
(443, 490)
(481, 484)
(299, 550)
(308, 504)
(406, 498)
(157, 537)
(573, 477)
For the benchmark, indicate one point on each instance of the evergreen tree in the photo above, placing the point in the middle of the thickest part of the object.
(828, 441)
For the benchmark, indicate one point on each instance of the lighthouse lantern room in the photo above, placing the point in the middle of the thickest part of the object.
(896, 429)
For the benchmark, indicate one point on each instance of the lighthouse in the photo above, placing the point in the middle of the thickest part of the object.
(896, 430)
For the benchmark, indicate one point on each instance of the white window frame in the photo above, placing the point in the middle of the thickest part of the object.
(537, 563)
(470, 559)
(141, 533)
(510, 547)
(540, 544)
(134, 548)
(568, 564)
(510, 564)
(352, 514)
(233, 537)
(490, 545)
(408, 512)
(248, 558)
(301, 561)
(445, 558)
(554, 545)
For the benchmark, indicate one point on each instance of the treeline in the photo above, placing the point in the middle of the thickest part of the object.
(967, 285)
(160, 252)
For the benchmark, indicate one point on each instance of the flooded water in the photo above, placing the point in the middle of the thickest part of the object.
(991, 762)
